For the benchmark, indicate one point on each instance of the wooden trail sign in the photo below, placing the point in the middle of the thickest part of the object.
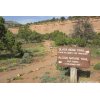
(73, 57)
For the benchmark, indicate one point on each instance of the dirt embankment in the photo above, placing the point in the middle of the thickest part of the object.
(64, 26)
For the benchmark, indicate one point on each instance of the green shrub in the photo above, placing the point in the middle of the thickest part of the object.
(60, 67)
(97, 66)
(56, 34)
(46, 36)
(80, 42)
(2, 28)
(58, 37)
(38, 50)
(27, 58)
(98, 52)
(95, 52)
(28, 35)
(96, 40)
(60, 40)
(35, 37)
(1, 45)
(46, 78)
(12, 45)
(3, 69)
(69, 41)
(24, 33)
(7, 40)
(62, 76)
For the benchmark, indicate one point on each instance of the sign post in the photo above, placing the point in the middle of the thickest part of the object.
(73, 75)
(73, 57)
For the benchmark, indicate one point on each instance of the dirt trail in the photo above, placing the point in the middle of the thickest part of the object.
(45, 62)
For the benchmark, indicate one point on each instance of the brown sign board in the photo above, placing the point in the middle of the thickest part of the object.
(73, 57)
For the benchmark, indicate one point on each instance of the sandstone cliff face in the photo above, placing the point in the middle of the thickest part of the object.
(14, 30)
(64, 26)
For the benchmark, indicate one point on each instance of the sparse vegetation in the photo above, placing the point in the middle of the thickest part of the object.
(37, 50)
(58, 37)
(29, 36)
(61, 39)
(35, 78)
(63, 77)
(64, 72)
(17, 78)
(10, 24)
(59, 67)
(9, 63)
(46, 78)
(3, 69)
(47, 73)
(83, 29)
(27, 58)
(97, 66)
(62, 18)
(80, 17)
(30, 52)
(95, 52)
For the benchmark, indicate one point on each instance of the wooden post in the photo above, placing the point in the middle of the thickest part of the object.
(73, 75)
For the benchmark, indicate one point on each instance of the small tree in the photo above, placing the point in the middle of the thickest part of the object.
(62, 18)
(96, 40)
(2, 20)
(83, 29)
(24, 33)
(2, 27)
(1, 45)
(11, 44)
(7, 40)
(53, 19)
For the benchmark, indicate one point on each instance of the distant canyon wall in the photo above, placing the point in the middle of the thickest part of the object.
(64, 26)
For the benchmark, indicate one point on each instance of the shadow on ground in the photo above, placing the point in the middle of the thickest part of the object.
(7, 56)
(80, 73)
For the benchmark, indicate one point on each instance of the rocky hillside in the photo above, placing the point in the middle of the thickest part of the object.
(64, 26)
(10, 24)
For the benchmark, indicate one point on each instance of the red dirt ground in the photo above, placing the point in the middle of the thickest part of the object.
(31, 73)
